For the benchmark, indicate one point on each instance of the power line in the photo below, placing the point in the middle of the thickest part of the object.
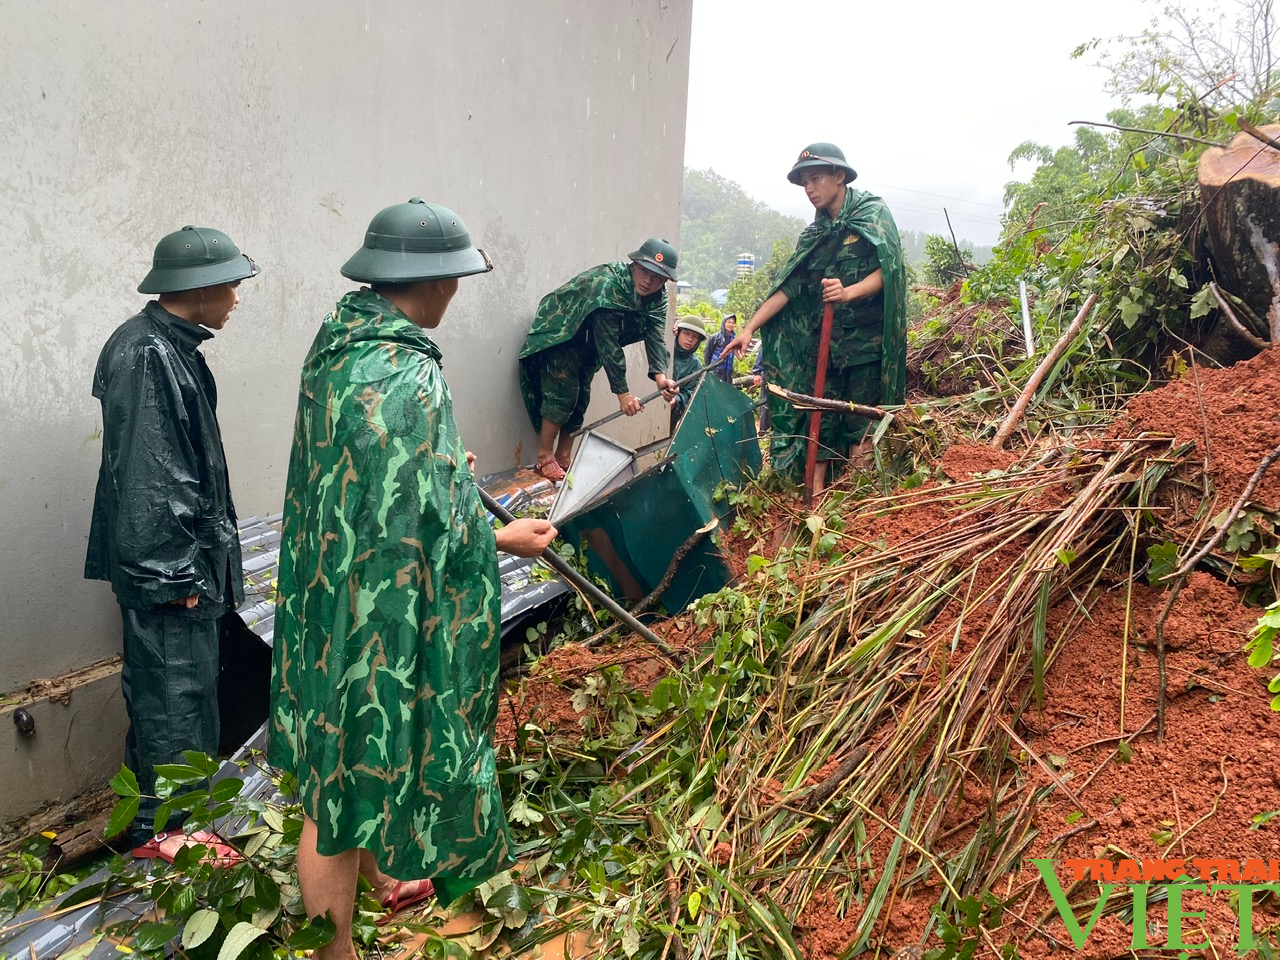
(941, 196)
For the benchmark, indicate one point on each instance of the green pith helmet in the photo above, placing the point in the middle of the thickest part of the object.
(413, 241)
(692, 327)
(821, 155)
(193, 258)
(657, 256)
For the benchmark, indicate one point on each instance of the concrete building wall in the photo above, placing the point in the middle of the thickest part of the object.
(555, 128)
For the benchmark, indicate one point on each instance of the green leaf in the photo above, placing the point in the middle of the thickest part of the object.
(315, 933)
(1161, 837)
(630, 939)
(241, 935)
(125, 784)
(1201, 303)
(1261, 654)
(1260, 818)
(695, 904)
(153, 936)
(84, 950)
(206, 764)
(755, 564)
(511, 902)
(814, 523)
(1164, 561)
(1073, 816)
(180, 773)
(162, 817)
(122, 815)
(1124, 752)
(226, 790)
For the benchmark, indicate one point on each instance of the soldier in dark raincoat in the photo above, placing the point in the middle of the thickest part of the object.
(849, 256)
(385, 667)
(164, 527)
(716, 344)
(583, 326)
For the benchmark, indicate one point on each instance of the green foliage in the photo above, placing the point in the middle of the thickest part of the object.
(1262, 647)
(719, 221)
(961, 931)
(252, 909)
(943, 264)
(24, 880)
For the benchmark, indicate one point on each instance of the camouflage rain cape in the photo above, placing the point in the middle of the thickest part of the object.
(385, 665)
(629, 318)
(837, 248)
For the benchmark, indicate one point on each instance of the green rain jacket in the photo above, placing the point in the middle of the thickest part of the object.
(686, 362)
(790, 340)
(385, 667)
(632, 318)
(163, 524)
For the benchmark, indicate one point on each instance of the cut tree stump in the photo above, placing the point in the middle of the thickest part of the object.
(1240, 189)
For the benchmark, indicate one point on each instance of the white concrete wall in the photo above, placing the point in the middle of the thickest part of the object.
(554, 127)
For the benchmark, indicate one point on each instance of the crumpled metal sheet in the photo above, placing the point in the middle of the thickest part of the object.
(631, 533)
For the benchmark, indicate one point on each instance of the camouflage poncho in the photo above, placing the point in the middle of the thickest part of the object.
(868, 335)
(620, 316)
(386, 655)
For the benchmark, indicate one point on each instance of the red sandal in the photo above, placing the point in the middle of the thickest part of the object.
(165, 846)
(403, 895)
(551, 470)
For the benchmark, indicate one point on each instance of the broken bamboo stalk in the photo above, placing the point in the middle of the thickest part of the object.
(1019, 408)
(802, 401)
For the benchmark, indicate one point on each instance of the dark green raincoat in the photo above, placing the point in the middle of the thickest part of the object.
(385, 669)
(869, 337)
(163, 524)
(683, 363)
(580, 327)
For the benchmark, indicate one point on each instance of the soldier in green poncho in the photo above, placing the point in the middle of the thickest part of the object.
(385, 667)
(582, 326)
(849, 256)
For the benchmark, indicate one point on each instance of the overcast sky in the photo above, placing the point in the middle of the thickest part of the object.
(927, 98)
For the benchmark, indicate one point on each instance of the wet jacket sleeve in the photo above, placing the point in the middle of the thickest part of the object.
(655, 339)
(608, 338)
(155, 469)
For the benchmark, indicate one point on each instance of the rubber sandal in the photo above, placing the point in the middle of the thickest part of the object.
(551, 470)
(165, 846)
(403, 895)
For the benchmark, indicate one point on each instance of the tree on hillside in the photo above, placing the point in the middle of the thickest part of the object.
(718, 222)
(943, 265)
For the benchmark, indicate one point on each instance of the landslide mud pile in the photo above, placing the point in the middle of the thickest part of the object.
(947, 682)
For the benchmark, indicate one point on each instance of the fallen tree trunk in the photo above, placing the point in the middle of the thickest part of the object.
(802, 401)
(1240, 186)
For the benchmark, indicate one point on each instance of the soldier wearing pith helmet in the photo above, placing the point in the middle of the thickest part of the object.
(163, 529)
(583, 325)
(385, 665)
(850, 256)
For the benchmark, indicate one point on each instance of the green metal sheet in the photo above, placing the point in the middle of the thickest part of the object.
(630, 535)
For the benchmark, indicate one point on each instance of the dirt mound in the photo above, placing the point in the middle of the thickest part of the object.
(1230, 414)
